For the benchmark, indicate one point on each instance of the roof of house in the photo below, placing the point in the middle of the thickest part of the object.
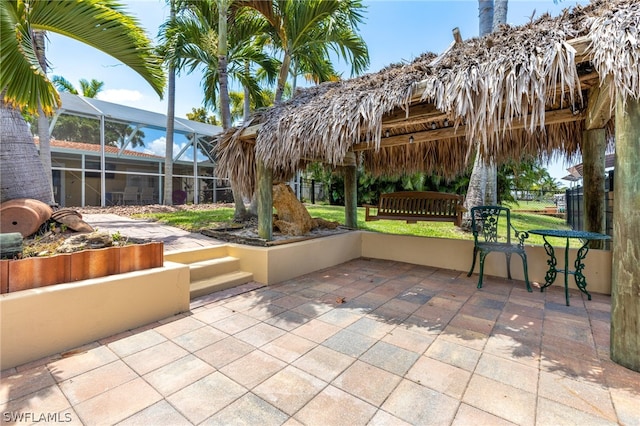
(91, 107)
(95, 148)
(516, 93)
(577, 172)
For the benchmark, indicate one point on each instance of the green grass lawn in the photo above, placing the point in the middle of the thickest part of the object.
(196, 220)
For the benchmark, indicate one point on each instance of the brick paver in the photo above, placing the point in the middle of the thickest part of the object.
(366, 342)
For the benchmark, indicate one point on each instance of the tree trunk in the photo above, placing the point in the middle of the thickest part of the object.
(476, 189)
(282, 77)
(478, 179)
(225, 104)
(44, 139)
(594, 145)
(499, 13)
(625, 280)
(167, 199)
(491, 188)
(21, 172)
(485, 15)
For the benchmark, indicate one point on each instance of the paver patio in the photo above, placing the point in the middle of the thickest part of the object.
(366, 342)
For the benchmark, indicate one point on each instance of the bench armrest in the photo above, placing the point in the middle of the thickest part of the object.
(367, 216)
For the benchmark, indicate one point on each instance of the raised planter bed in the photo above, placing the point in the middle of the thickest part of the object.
(35, 272)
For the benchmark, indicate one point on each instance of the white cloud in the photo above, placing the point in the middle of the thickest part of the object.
(158, 147)
(119, 96)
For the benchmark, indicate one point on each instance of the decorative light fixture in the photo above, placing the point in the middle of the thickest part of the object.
(411, 139)
(386, 133)
(433, 125)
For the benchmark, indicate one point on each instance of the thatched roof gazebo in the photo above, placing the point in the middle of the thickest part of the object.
(554, 87)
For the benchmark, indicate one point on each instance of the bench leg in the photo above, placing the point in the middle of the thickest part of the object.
(508, 255)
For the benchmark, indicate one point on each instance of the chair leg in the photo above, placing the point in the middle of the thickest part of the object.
(526, 273)
(508, 255)
(482, 256)
(473, 264)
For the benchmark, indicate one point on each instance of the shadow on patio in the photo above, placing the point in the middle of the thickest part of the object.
(365, 342)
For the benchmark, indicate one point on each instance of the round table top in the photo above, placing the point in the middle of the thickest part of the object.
(569, 233)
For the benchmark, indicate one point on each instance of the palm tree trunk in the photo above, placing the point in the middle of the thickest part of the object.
(225, 103)
(500, 8)
(476, 189)
(485, 14)
(167, 199)
(491, 189)
(21, 172)
(43, 122)
(282, 78)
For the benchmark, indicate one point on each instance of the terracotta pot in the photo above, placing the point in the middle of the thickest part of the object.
(23, 215)
(34, 272)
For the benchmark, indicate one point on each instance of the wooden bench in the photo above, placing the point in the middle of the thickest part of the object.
(414, 206)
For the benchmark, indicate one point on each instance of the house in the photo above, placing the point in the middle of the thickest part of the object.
(96, 174)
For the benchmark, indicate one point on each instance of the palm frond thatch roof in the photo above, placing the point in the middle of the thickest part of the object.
(520, 91)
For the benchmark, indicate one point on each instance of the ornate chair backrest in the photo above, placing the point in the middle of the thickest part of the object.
(485, 221)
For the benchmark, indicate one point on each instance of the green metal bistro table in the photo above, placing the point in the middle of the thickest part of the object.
(550, 276)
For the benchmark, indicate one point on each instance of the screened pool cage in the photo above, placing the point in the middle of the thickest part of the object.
(106, 154)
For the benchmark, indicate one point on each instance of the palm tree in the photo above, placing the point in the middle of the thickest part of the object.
(44, 138)
(167, 199)
(483, 183)
(24, 84)
(88, 89)
(307, 31)
(200, 37)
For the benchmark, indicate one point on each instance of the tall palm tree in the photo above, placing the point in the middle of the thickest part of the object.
(44, 138)
(23, 83)
(483, 187)
(167, 199)
(201, 38)
(305, 32)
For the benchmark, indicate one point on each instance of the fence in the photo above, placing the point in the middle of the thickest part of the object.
(309, 190)
(575, 207)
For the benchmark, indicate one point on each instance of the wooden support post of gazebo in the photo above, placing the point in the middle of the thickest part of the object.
(265, 201)
(625, 280)
(350, 191)
(594, 146)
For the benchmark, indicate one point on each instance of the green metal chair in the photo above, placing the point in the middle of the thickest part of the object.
(489, 235)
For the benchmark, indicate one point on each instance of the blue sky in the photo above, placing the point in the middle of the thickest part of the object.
(395, 31)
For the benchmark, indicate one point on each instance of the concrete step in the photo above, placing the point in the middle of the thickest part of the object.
(219, 283)
(213, 267)
(197, 254)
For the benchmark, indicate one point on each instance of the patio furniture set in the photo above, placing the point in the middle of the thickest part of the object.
(488, 236)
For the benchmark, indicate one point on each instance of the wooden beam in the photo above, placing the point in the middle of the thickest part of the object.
(350, 191)
(625, 259)
(457, 37)
(250, 132)
(594, 146)
(552, 117)
(400, 115)
(599, 106)
(265, 201)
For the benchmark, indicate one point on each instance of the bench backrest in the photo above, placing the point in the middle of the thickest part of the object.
(423, 203)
